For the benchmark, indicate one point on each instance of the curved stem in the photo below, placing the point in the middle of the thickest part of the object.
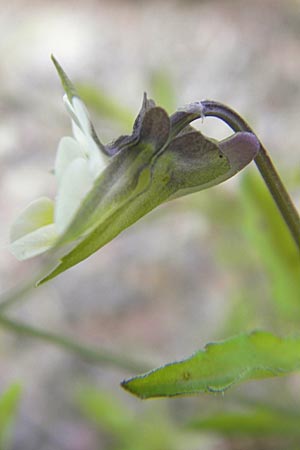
(91, 354)
(264, 165)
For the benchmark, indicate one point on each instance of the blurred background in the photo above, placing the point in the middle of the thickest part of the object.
(198, 269)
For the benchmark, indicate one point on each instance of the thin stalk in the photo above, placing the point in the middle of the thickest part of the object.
(264, 165)
(14, 295)
(91, 354)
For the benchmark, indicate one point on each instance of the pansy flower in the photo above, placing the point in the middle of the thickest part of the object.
(103, 189)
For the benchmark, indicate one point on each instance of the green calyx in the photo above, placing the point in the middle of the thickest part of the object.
(163, 158)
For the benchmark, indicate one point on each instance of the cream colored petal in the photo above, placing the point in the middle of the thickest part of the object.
(70, 109)
(34, 243)
(79, 114)
(68, 150)
(82, 131)
(37, 214)
(79, 136)
(82, 115)
(78, 133)
(97, 160)
(75, 184)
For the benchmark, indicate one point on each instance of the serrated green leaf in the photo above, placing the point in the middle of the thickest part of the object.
(220, 366)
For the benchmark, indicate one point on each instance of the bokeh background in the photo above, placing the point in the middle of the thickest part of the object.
(198, 269)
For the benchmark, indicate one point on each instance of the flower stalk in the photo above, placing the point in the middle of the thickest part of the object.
(263, 163)
(93, 355)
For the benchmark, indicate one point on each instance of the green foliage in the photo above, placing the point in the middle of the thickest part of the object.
(9, 402)
(105, 409)
(129, 430)
(256, 422)
(106, 106)
(163, 90)
(221, 365)
(273, 247)
(160, 87)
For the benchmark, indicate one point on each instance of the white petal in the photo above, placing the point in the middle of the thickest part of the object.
(78, 133)
(70, 109)
(76, 182)
(35, 243)
(97, 160)
(79, 114)
(37, 214)
(79, 136)
(68, 150)
(82, 131)
(82, 115)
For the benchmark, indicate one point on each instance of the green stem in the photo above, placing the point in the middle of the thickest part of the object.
(88, 353)
(264, 165)
(14, 295)
(18, 292)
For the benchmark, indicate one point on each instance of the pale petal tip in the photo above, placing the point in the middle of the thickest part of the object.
(35, 243)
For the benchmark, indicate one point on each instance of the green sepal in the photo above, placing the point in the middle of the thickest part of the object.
(136, 181)
(65, 80)
(164, 158)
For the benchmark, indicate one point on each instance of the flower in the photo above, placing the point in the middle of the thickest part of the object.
(103, 189)
(79, 161)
